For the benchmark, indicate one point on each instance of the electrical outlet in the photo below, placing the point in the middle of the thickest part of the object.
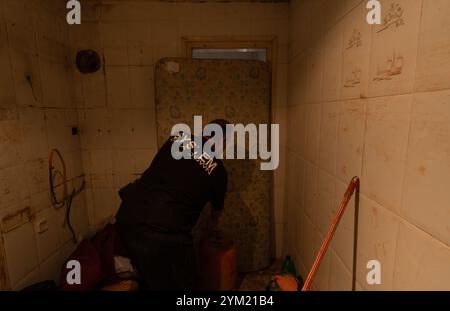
(41, 225)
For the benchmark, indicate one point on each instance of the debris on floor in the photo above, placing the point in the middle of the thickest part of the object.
(258, 280)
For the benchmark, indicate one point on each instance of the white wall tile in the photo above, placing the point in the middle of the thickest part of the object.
(62, 227)
(325, 201)
(394, 48)
(11, 142)
(26, 78)
(292, 184)
(30, 279)
(140, 43)
(309, 243)
(351, 4)
(118, 86)
(279, 175)
(122, 128)
(101, 161)
(142, 87)
(34, 135)
(58, 130)
(79, 215)
(313, 118)
(332, 58)
(18, 15)
(94, 129)
(377, 240)
(51, 268)
(342, 242)
(36, 112)
(21, 253)
(355, 54)
(426, 195)
(341, 276)
(314, 70)
(385, 149)
(297, 81)
(144, 129)
(39, 201)
(322, 278)
(329, 136)
(6, 79)
(103, 200)
(36, 175)
(299, 190)
(279, 228)
(398, 145)
(433, 60)
(143, 159)
(422, 261)
(311, 190)
(278, 205)
(94, 90)
(350, 139)
(48, 241)
(102, 181)
(13, 189)
(114, 38)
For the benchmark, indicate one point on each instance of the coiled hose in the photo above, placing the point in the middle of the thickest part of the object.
(66, 199)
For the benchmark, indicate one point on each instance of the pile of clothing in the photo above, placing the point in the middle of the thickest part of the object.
(103, 264)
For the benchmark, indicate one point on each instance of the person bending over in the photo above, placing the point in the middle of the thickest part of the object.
(159, 210)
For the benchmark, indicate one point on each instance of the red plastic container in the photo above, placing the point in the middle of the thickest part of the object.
(217, 265)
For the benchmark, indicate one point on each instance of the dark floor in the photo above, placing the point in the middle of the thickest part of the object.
(258, 281)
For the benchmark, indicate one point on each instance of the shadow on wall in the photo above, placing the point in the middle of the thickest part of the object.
(238, 221)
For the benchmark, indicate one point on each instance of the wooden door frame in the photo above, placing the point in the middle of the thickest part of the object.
(270, 44)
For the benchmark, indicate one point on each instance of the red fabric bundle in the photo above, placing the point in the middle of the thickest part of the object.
(96, 258)
(91, 272)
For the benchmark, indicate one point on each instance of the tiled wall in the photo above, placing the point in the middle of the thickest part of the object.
(37, 112)
(372, 101)
(345, 115)
(116, 106)
(42, 96)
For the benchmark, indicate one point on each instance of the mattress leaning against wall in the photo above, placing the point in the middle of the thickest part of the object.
(238, 91)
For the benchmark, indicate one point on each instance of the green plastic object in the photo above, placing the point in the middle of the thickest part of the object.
(288, 267)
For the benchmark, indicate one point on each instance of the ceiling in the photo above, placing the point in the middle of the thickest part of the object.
(223, 1)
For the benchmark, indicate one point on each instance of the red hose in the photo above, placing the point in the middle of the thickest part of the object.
(64, 176)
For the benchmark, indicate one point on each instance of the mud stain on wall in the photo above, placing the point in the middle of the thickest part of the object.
(16, 219)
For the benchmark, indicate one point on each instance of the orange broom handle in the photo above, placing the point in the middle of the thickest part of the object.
(353, 185)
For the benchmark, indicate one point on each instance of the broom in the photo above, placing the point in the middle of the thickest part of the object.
(352, 187)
